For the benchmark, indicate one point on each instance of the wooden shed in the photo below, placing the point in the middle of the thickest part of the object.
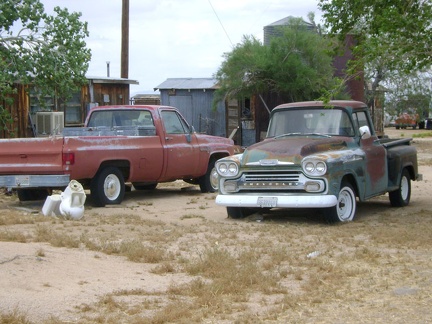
(36, 116)
(193, 97)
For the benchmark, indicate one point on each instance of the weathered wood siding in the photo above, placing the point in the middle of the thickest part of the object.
(20, 126)
(111, 94)
(76, 109)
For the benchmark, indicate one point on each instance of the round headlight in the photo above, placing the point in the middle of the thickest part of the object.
(232, 168)
(321, 167)
(309, 167)
(222, 168)
(227, 168)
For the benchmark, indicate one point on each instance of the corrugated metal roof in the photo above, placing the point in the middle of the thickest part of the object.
(145, 95)
(96, 79)
(286, 21)
(188, 83)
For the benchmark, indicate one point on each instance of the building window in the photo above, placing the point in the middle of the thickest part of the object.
(72, 108)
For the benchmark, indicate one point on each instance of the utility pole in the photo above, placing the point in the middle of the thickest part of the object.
(124, 73)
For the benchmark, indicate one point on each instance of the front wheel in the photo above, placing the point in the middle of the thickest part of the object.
(401, 197)
(239, 212)
(108, 187)
(210, 181)
(345, 208)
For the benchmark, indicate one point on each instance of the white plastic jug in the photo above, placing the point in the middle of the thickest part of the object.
(73, 199)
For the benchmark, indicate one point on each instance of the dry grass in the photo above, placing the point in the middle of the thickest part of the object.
(252, 272)
(14, 317)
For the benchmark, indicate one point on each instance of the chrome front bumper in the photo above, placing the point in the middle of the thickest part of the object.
(277, 201)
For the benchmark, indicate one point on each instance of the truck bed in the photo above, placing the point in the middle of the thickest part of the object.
(110, 131)
(391, 142)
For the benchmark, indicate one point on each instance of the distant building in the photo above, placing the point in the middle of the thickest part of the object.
(246, 119)
(193, 97)
(146, 99)
(36, 116)
(274, 29)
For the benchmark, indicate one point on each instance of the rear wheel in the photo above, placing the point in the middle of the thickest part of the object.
(108, 187)
(32, 194)
(345, 208)
(402, 196)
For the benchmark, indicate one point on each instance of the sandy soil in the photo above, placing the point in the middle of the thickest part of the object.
(56, 281)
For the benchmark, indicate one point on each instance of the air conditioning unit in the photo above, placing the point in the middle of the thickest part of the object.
(49, 123)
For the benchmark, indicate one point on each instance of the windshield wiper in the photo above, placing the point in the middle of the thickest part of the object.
(287, 134)
(302, 134)
(317, 134)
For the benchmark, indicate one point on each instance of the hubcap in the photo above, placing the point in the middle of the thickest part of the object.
(112, 187)
(404, 188)
(345, 206)
(214, 179)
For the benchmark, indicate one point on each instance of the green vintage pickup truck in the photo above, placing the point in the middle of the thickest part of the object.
(318, 155)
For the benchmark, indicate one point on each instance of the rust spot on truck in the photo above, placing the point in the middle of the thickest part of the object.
(292, 149)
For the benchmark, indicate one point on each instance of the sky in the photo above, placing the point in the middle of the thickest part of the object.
(174, 38)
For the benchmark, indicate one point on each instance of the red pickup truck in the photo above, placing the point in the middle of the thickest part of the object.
(142, 145)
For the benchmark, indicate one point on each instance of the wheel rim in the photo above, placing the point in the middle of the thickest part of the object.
(345, 206)
(214, 179)
(404, 188)
(112, 187)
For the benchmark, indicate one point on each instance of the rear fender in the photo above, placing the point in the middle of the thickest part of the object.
(122, 165)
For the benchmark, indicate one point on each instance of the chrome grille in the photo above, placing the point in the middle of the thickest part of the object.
(271, 181)
(285, 176)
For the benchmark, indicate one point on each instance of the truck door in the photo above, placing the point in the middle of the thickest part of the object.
(181, 147)
(375, 173)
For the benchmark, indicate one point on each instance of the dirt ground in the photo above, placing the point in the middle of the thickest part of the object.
(43, 281)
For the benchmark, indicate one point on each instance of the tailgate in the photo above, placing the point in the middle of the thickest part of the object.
(31, 155)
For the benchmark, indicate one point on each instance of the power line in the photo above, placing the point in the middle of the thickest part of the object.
(221, 23)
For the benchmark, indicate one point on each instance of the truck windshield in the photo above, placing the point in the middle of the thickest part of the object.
(323, 121)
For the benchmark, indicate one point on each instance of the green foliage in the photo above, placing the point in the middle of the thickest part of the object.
(409, 93)
(297, 66)
(397, 31)
(47, 51)
(393, 43)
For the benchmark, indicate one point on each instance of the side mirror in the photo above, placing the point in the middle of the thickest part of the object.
(364, 132)
(188, 137)
(192, 129)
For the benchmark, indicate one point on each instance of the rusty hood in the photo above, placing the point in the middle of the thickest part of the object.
(292, 149)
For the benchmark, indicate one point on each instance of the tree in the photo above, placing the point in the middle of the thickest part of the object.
(297, 66)
(46, 51)
(411, 93)
(397, 31)
(394, 39)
